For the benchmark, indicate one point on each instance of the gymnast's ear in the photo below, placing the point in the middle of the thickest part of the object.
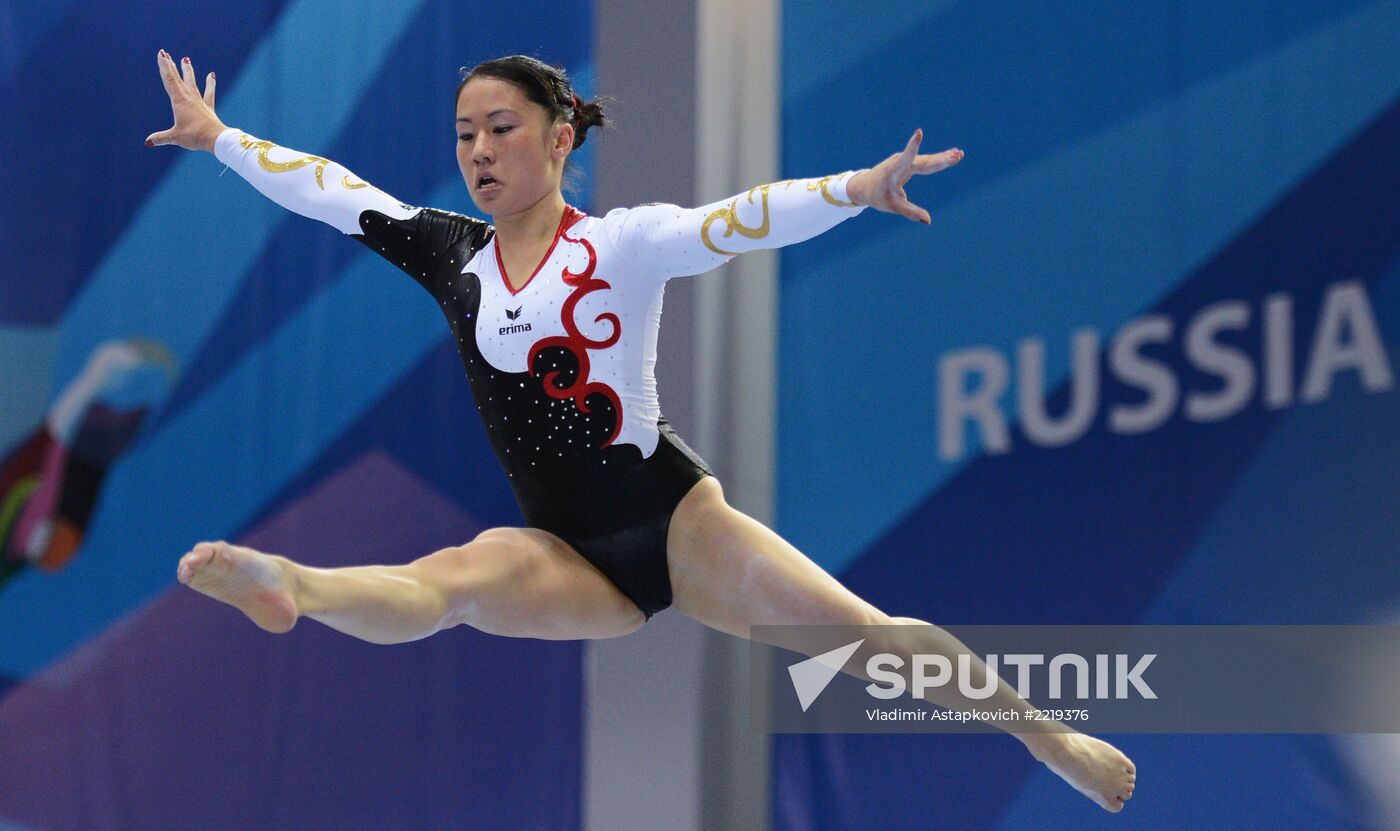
(564, 139)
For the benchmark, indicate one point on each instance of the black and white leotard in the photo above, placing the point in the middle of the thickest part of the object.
(561, 369)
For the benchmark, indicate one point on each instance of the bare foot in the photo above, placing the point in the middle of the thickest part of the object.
(257, 584)
(1093, 767)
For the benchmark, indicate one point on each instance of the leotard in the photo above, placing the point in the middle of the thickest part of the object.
(561, 368)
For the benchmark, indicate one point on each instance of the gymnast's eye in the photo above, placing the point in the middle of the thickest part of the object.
(465, 137)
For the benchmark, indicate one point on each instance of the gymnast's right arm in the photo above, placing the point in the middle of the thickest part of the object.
(411, 238)
(312, 186)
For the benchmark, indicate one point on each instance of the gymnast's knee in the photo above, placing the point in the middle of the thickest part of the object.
(465, 576)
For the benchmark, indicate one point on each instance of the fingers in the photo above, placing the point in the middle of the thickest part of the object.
(913, 146)
(187, 74)
(897, 169)
(168, 75)
(173, 78)
(907, 157)
(182, 87)
(909, 209)
(935, 162)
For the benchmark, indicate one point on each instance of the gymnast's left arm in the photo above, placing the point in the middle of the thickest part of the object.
(669, 241)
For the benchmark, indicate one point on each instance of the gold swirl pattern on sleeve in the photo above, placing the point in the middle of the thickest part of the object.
(821, 184)
(349, 185)
(296, 164)
(284, 167)
(730, 217)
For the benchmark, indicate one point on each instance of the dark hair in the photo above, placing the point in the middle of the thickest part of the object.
(549, 87)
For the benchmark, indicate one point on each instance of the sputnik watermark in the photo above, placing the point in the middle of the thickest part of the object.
(882, 667)
(929, 671)
(1152, 679)
(811, 676)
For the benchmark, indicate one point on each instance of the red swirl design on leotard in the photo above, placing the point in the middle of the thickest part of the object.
(578, 344)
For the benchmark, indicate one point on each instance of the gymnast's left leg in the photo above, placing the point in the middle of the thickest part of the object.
(730, 572)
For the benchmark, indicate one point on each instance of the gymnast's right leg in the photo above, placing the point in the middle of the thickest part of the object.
(517, 582)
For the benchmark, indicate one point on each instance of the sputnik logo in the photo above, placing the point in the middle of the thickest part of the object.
(811, 676)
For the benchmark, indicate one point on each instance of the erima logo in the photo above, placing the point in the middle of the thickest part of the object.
(811, 676)
(514, 327)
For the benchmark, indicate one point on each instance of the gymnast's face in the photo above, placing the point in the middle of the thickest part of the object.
(504, 135)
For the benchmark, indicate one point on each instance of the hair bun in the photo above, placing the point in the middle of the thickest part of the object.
(586, 114)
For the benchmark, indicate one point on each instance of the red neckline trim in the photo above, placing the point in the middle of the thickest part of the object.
(571, 215)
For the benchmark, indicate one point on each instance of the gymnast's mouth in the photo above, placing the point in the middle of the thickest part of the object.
(487, 182)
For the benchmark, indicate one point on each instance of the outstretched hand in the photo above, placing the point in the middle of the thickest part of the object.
(882, 186)
(196, 125)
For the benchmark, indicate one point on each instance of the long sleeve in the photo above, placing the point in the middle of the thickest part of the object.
(669, 241)
(412, 238)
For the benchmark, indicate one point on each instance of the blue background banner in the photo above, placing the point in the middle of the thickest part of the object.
(183, 361)
(1140, 368)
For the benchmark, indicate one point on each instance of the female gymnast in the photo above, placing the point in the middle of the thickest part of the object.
(556, 314)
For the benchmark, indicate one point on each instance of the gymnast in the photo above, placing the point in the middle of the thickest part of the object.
(556, 313)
